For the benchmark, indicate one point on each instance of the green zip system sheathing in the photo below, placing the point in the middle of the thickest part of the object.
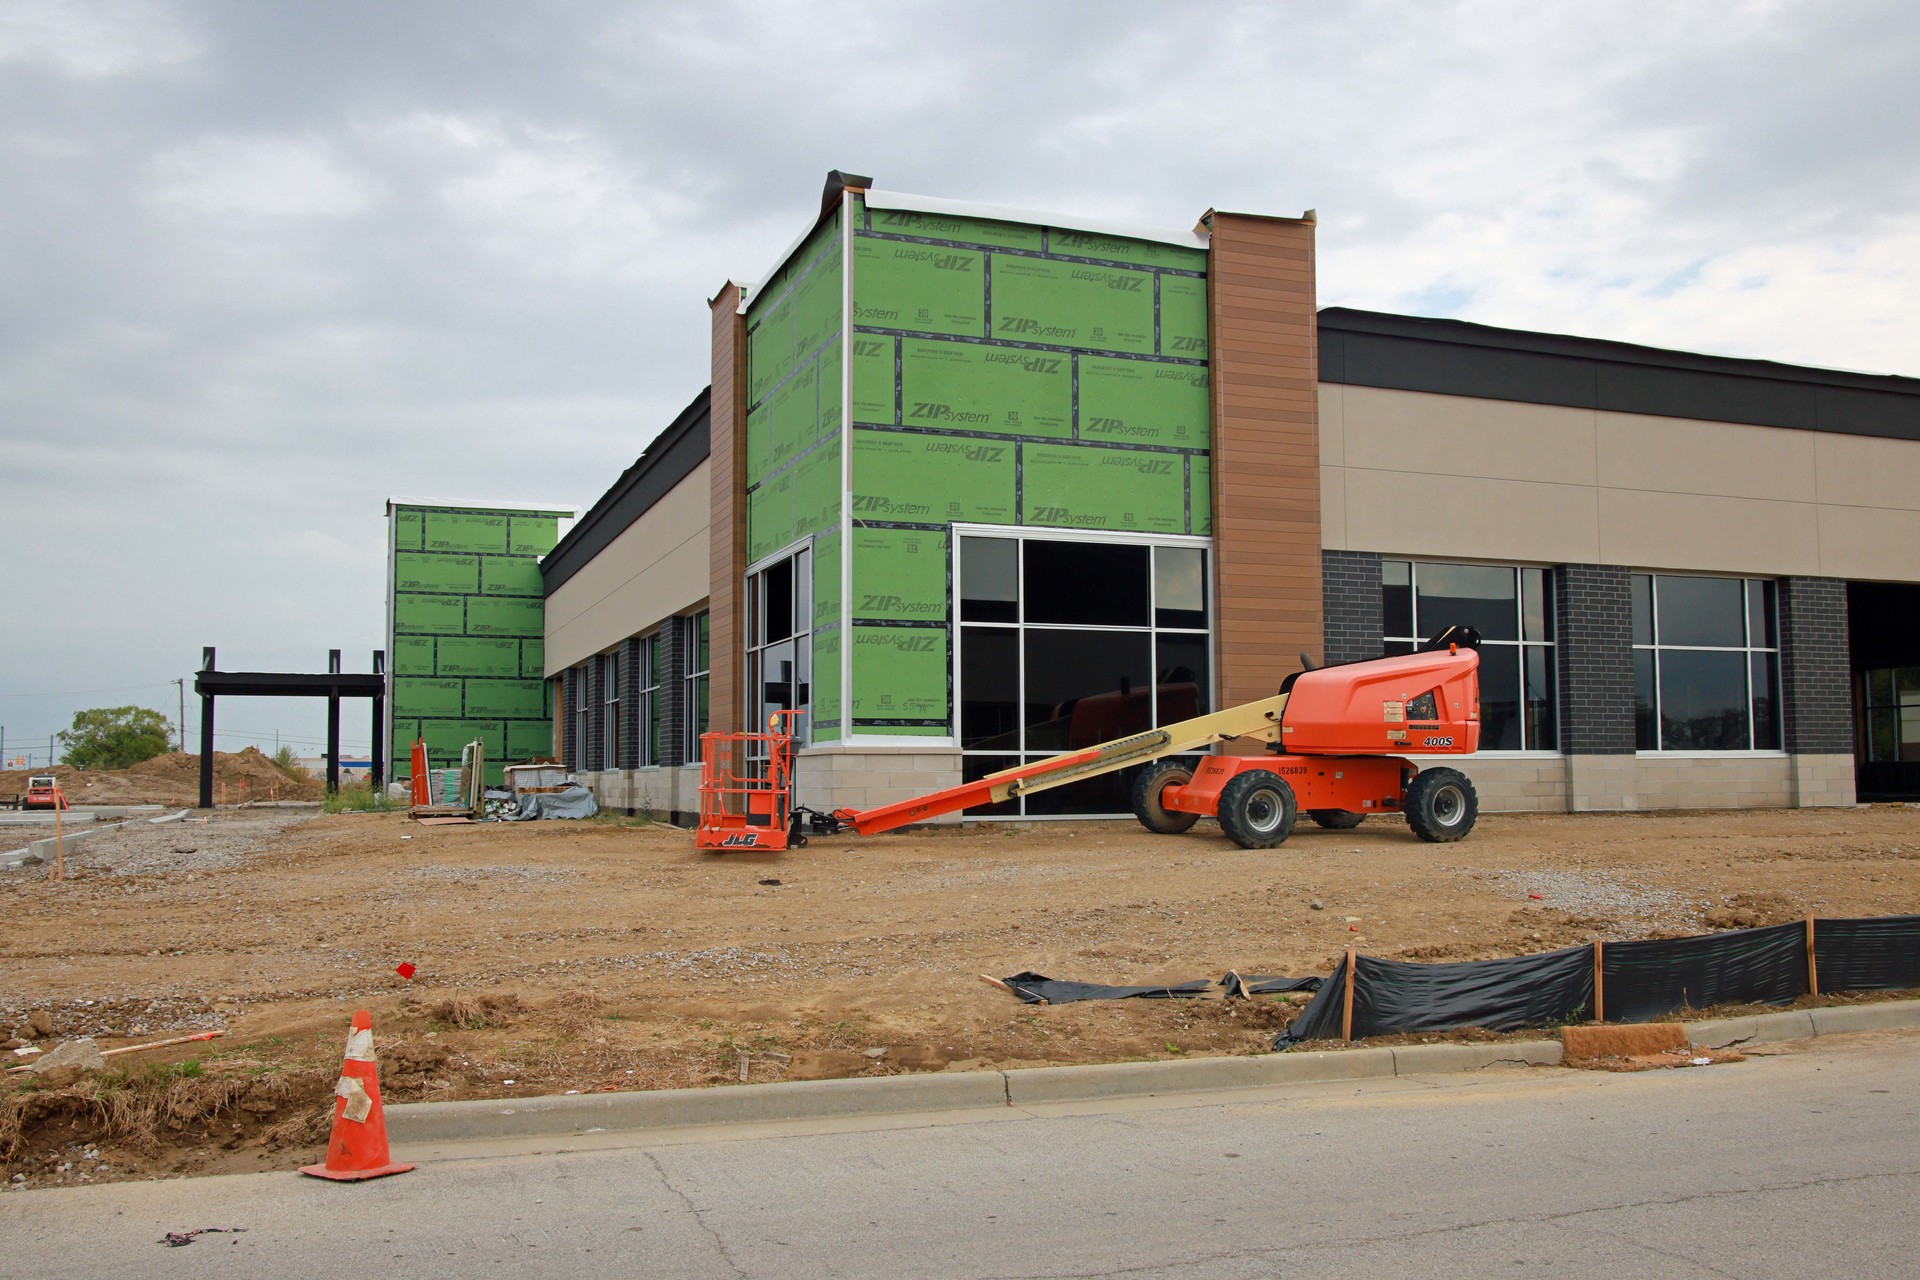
(1006, 374)
(465, 632)
(1000, 374)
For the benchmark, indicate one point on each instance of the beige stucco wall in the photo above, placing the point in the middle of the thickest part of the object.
(656, 568)
(1411, 473)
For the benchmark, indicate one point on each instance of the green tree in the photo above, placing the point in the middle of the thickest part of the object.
(288, 763)
(114, 737)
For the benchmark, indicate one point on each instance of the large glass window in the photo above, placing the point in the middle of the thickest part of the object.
(1706, 664)
(779, 646)
(1064, 644)
(610, 693)
(582, 721)
(647, 711)
(1512, 608)
(696, 682)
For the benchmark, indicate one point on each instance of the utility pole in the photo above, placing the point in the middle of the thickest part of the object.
(181, 684)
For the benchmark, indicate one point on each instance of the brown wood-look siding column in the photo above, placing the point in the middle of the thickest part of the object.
(727, 536)
(1264, 351)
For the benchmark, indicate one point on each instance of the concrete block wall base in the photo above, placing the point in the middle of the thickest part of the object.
(977, 1091)
(666, 790)
(833, 776)
(1823, 781)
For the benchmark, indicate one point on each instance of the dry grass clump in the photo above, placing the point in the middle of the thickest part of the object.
(572, 1012)
(470, 1012)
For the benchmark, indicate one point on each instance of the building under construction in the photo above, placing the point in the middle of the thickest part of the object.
(960, 470)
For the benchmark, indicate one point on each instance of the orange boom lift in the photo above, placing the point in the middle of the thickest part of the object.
(1334, 739)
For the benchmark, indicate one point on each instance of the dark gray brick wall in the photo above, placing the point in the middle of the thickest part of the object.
(1351, 605)
(630, 702)
(1815, 676)
(1593, 631)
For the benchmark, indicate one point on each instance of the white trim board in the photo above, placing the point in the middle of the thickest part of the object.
(565, 511)
(1065, 221)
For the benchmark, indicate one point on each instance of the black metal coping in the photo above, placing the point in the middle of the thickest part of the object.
(1455, 358)
(291, 684)
(671, 458)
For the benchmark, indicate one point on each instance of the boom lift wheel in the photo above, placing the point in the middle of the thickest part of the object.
(1146, 799)
(1257, 809)
(1441, 805)
(1336, 819)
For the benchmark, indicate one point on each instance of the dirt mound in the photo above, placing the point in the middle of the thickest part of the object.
(174, 779)
(1752, 910)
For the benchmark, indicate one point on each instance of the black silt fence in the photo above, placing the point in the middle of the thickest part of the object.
(1875, 954)
(1612, 981)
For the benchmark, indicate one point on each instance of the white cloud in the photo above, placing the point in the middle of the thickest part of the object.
(546, 202)
(95, 38)
(260, 177)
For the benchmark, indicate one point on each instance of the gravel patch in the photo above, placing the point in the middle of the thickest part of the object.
(1603, 894)
(230, 838)
(478, 875)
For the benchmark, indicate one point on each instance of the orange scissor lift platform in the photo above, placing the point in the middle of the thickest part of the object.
(1334, 740)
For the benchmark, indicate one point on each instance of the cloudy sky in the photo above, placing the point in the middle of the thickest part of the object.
(263, 265)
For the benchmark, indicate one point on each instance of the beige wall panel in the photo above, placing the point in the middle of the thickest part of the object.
(656, 568)
(1870, 542)
(1413, 513)
(1333, 506)
(1864, 471)
(1707, 534)
(1459, 436)
(1333, 426)
(1724, 459)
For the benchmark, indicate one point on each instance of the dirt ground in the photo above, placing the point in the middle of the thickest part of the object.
(559, 957)
(173, 779)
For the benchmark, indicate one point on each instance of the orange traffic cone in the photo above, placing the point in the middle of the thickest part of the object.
(358, 1148)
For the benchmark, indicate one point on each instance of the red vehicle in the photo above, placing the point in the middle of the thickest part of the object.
(1334, 740)
(43, 792)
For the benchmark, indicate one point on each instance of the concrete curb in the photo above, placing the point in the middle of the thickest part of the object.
(495, 1119)
(42, 850)
(427, 1122)
(682, 1108)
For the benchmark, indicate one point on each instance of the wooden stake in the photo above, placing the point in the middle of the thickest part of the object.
(1599, 984)
(151, 1044)
(59, 845)
(1813, 970)
(1346, 1013)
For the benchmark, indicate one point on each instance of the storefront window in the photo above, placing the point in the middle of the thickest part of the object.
(1893, 715)
(780, 641)
(1706, 664)
(1066, 643)
(1512, 608)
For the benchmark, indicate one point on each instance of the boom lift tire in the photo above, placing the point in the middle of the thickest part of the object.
(1258, 809)
(1336, 819)
(1146, 799)
(1441, 805)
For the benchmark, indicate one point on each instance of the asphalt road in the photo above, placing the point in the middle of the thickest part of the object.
(1802, 1164)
